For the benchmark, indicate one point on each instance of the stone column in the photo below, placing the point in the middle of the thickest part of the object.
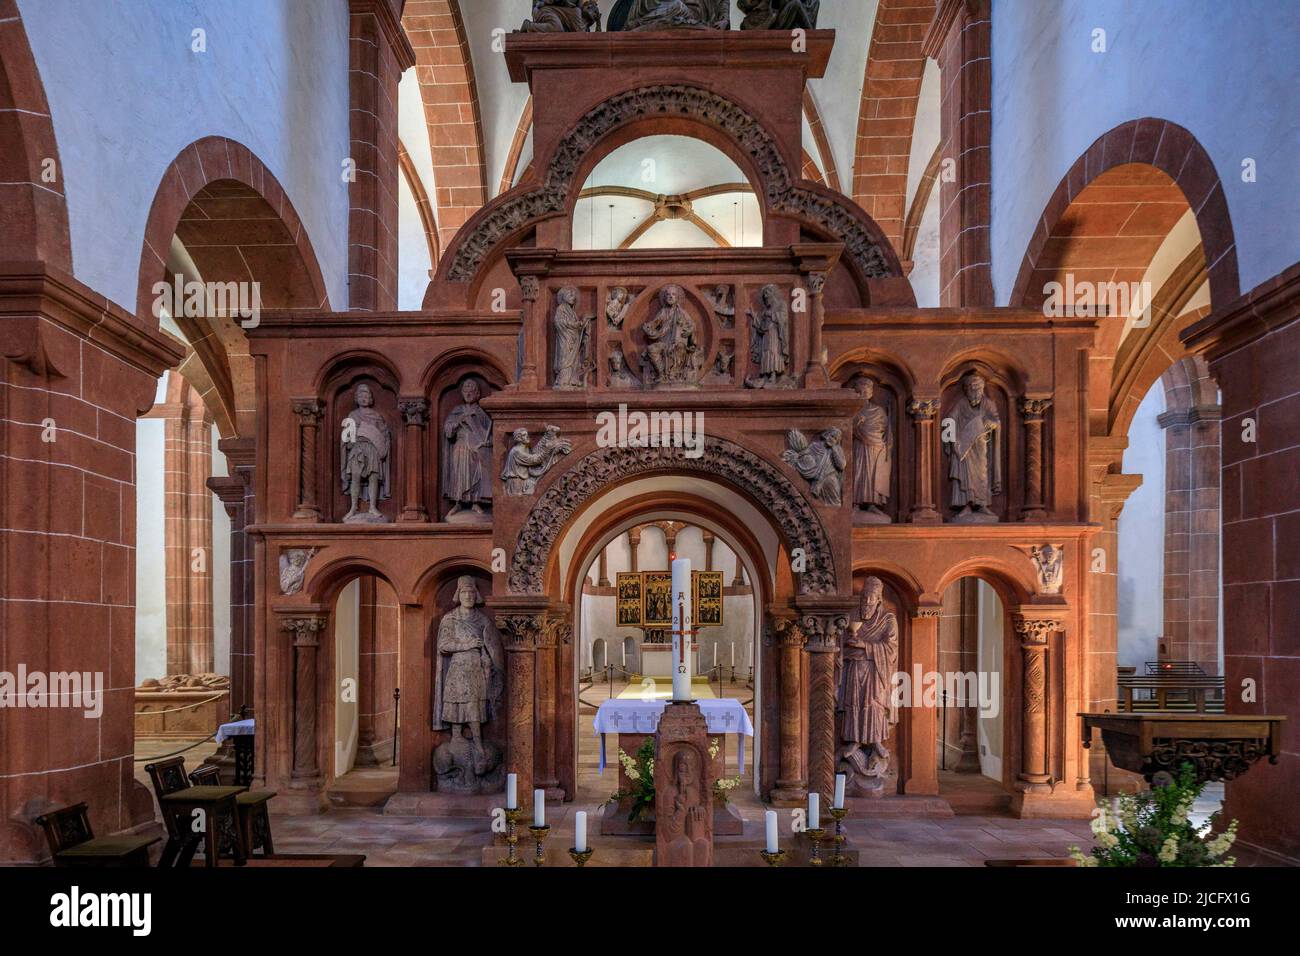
(602, 574)
(309, 412)
(923, 412)
(919, 768)
(532, 338)
(232, 490)
(306, 696)
(633, 543)
(815, 374)
(1033, 411)
(825, 632)
(520, 633)
(548, 642)
(791, 786)
(1034, 756)
(968, 739)
(415, 415)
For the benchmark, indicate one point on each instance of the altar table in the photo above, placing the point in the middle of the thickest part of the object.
(723, 715)
(242, 732)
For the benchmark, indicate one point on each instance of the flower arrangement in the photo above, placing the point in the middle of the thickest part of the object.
(640, 769)
(1153, 828)
(722, 784)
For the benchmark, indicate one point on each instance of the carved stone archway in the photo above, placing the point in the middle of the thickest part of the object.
(721, 459)
(870, 253)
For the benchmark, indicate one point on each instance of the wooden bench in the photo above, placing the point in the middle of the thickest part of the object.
(254, 818)
(73, 842)
(1170, 687)
(181, 803)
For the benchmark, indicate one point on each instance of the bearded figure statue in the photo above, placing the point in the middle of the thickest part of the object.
(865, 704)
(672, 15)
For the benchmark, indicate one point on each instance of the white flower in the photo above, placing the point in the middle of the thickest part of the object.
(1169, 851)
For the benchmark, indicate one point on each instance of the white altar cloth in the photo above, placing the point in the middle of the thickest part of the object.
(237, 728)
(722, 715)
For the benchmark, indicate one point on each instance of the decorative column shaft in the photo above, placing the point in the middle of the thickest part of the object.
(815, 374)
(791, 786)
(824, 636)
(415, 413)
(309, 412)
(918, 727)
(532, 343)
(1033, 714)
(306, 642)
(520, 634)
(1033, 411)
(552, 635)
(923, 412)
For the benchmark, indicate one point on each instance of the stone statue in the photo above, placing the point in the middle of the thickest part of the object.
(975, 452)
(687, 834)
(779, 14)
(873, 454)
(864, 700)
(572, 341)
(769, 340)
(468, 674)
(293, 568)
(723, 365)
(563, 16)
(1049, 562)
(620, 376)
(676, 15)
(526, 463)
(674, 350)
(365, 448)
(467, 456)
(821, 462)
(617, 301)
(724, 305)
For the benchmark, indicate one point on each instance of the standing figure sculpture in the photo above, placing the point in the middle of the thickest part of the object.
(468, 675)
(572, 341)
(674, 350)
(673, 15)
(821, 462)
(975, 452)
(563, 16)
(779, 14)
(873, 453)
(864, 701)
(769, 340)
(467, 456)
(365, 448)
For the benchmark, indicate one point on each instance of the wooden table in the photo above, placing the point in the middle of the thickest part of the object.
(1218, 746)
(217, 804)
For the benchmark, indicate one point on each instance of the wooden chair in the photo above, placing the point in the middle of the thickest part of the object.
(254, 818)
(178, 801)
(73, 842)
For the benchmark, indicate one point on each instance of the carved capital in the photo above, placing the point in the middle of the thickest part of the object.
(554, 632)
(1033, 409)
(415, 411)
(787, 633)
(925, 613)
(824, 631)
(816, 283)
(308, 410)
(530, 288)
(1034, 632)
(520, 632)
(923, 409)
(304, 630)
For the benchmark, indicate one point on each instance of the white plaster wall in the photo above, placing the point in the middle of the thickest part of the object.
(150, 569)
(1141, 559)
(1227, 72)
(992, 620)
(126, 94)
(412, 250)
(347, 649)
(925, 255)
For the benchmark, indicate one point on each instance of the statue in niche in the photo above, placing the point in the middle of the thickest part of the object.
(572, 341)
(686, 834)
(293, 568)
(975, 452)
(563, 16)
(769, 340)
(525, 463)
(723, 299)
(467, 686)
(674, 350)
(365, 448)
(467, 456)
(821, 462)
(873, 454)
(779, 14)
(617, 302)
(864, 699)
(1049, 562)
(723, 365)
(620, 376)
(673, 15)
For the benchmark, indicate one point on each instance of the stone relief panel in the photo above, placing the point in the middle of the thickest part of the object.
(527, 461)
(293, 568)
(572, 345)
(820, 461)
(674, 343)
(769, 341)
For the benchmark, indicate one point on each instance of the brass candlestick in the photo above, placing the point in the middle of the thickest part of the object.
(816, 835)
(839, 813)
(581, 857)
(772, 859)
(513, 816)
(539, 837)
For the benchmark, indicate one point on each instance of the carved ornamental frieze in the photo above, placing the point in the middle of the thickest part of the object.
(608, 466)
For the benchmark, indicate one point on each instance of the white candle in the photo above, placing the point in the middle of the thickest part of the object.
(839, 791)
(814, 810)
(681, 598)
(770, 820)
(733, 655)
(715, 655)
(624, 657)
(539, 808)
(512, 792)
(580, 831)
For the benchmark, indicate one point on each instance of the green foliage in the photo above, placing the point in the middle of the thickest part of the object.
(641, 771)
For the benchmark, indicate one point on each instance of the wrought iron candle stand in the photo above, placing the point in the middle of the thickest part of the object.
(539, 838)
(839, 813)
(512, 837)
(580, 857)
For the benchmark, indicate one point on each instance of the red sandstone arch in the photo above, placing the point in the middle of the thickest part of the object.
(445, 70)
(887, 115)
(831, 174)
(511, 170)
(238, 225)
(33, 209)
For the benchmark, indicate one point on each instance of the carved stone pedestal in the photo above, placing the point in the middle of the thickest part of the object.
(683, 788)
